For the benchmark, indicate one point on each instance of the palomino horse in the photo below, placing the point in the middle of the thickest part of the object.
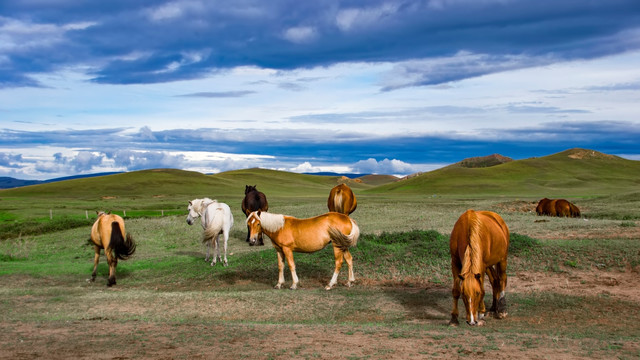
(108, 233)
(289, 235)
(479, 244)
(342, 200)
(217, 220)
(254, 200)
(557, 207)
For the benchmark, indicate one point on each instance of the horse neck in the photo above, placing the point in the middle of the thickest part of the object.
(271, 223)
(472, 262)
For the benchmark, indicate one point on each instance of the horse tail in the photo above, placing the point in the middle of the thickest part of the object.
(342, 241)
(473, 254)
(122, 249)
(337, 201)
(214, 227)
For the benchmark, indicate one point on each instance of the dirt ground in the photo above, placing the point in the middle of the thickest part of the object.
(104, 338)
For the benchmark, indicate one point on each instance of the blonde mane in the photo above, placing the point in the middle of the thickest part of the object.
(472, 262)
(268, 221)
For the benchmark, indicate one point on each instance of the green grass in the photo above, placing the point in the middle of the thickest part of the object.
(402, 267)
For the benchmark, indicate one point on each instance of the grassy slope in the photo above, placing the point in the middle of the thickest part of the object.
(551, 176)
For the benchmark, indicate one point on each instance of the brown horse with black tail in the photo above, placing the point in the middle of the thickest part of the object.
(254, 200)
(108, 233)
(479, 244)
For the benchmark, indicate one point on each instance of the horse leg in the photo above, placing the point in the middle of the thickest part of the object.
(288, 254)
(280, 268)
(499, 289)
(96, 259)
(208, 245)
(216, 250)
(113, 262)
(455, 293)
(248, 233)
(260, 240)
(339, 257)
(493, 277)
(226, 238)
(349, 259)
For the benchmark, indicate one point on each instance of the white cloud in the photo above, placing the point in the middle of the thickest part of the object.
(301, 34)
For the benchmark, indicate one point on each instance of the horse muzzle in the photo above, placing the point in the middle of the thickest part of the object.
(189, 221)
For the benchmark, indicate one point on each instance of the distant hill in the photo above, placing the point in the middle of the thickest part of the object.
(574, 172)
(571, 173)
(9, 182)
(484, 161)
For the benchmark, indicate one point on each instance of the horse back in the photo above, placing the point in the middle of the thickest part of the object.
(493, 231)
(103, 228)
(312, 234)
(342, 200)
(254, 201)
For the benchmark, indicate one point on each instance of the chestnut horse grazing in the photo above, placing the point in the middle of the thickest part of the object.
(289, 235)
(217, 220)
(108, 233)
(254, 200)
(342, 200)
(479, 244)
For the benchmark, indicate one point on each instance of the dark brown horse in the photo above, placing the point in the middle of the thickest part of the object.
(557, 207)
(254, 200)
(108, 233)
(479, 244)
(342, 200)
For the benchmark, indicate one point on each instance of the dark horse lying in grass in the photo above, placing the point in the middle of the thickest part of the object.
(108, 233)
(254, 200)
(557, 207)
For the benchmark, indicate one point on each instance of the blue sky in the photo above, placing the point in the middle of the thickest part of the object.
(371, 86)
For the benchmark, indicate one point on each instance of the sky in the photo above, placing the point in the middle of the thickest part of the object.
(361, 86)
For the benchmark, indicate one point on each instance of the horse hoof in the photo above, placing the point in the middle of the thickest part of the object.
(480, 323)
(278, 286)
(328, 287)
(501, 315)
(454, 321)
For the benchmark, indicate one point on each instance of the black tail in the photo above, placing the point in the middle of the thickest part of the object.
(122, 249)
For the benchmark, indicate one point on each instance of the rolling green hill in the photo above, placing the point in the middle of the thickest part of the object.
(571, 173)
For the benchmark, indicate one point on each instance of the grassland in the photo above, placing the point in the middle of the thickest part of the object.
(573, 292)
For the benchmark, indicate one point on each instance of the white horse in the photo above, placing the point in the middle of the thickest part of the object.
(216, 219)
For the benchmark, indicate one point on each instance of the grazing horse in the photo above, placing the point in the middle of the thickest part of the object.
(217, 220)
(289, 235)
(254, 200)
(108, 233)
(479, 244)
(557, 207)
(342, 200)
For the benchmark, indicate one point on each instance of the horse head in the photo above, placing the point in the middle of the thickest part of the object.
(193, 213)
(472, 295)
(255, 226)
(248, 189)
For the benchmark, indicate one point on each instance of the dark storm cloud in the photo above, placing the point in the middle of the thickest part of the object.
(144, 41)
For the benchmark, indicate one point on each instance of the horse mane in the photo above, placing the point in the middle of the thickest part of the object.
(472, 262)
(271, 222)
(201, 204)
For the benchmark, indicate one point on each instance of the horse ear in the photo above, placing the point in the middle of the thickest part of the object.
(259, 212)
(461, 277)
(477, 276)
